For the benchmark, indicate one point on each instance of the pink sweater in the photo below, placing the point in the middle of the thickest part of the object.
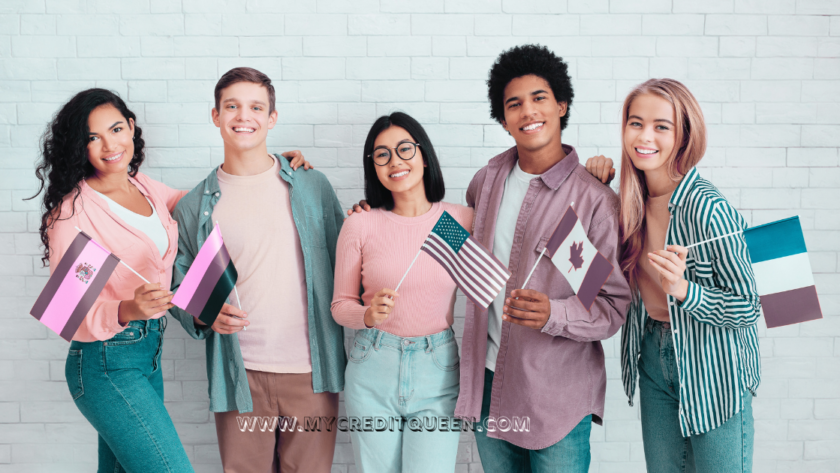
(374, 250)
(93, 216)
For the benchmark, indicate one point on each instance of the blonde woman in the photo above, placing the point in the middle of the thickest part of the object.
(690, 337)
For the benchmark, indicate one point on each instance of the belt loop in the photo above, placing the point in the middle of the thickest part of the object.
(430, 348)
(378, 342)
(162, 323)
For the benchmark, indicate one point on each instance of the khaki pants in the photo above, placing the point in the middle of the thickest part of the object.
(253, 442)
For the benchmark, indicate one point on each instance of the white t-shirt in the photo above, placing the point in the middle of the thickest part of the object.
(516, 186)
(151, 225)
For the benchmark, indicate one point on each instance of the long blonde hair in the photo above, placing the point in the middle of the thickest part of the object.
(689, 148)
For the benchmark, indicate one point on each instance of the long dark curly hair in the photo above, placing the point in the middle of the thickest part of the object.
(64, 159)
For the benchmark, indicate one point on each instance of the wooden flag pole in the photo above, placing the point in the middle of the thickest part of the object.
(537, 262)
(409, 269)
(122, 262)
(714, 239)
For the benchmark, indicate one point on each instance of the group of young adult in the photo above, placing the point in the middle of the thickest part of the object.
(305, 273)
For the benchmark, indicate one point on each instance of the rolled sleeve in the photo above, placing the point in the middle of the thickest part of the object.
(558, 320)
(694, 297)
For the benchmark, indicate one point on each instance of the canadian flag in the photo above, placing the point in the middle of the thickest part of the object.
(578, 260)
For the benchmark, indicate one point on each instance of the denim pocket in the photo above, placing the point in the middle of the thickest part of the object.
(73, 373)
(361, 350)
(446, 356)
(129, 336)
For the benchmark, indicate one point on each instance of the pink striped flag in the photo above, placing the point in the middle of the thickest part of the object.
(74, 286)
(578, 260)
(479, 274)
(209, 281)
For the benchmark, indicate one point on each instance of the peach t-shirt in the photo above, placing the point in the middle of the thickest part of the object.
(255, 216)
(657, 217)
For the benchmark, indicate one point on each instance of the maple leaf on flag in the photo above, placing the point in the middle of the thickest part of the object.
(576, 257)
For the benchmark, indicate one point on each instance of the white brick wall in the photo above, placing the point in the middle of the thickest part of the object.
(766, 71)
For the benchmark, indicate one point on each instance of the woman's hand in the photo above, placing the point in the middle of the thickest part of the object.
(601, 167)
(230, 320)
(670, 263)
(358, 208)
(380, 307)
(149, 299)
(296, 160)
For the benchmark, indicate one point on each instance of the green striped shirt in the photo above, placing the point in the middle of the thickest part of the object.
(714, 328)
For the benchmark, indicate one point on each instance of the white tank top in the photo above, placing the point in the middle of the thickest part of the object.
(151, 225)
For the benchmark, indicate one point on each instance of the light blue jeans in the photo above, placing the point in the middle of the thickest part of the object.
(118, 386)
(728, 448)
(569, 455)
(389, 378)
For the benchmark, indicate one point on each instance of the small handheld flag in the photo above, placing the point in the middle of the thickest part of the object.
(209, 281)
(479, 274)
(578, 260)
(782, 271)
(74, 286)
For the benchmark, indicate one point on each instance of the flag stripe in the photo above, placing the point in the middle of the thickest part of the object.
(791, 307)
(470, 259)
(783, 274)
(466, 288)
(596, 275)
(775, 240)
(70, 292)
(206, 255)
(567, 223)
(220, 293)
(449, 260)
(466, 265)
(64, 267)
(209, 279)
(488, 260)
(87, 300)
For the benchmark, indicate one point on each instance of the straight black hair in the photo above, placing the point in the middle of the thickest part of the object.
(375, 193)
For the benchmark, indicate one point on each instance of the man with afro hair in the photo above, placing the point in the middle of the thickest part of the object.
(532, 365)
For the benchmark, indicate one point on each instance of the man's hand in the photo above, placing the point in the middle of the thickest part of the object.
(230, 320)
(670, 263)
(601, 167)
(358, 208)
(528, 308)
(296, 160)
(380, 307)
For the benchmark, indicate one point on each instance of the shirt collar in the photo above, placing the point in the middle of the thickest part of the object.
(561, 170)
(683, 188)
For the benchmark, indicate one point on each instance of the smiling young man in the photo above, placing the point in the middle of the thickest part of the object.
(535, 355)
(281, 354)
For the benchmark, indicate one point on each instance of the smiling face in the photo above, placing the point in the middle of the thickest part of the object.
(649, 135)
(398, 175)
(110, 140)
(243, 116)
(532, 114)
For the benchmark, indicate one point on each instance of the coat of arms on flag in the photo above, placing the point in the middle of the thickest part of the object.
(209, 281)
(782, 271)
(578, 260)
(479, 274)
(74, 286)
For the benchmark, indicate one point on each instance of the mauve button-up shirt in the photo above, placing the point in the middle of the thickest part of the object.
(554, 376)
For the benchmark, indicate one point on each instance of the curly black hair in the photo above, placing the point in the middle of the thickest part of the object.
(64, 161)
(524, 60)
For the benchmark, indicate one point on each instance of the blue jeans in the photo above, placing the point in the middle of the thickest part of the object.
(728, 448)
(390, 378)
(569, 455)
(118, 386)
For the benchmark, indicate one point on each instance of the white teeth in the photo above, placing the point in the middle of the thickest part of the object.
(646, 151)
(532, 127)
(248, 130)
(113, 158)
(399, 174)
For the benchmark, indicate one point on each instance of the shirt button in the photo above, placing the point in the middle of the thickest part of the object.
(676, 331)
(217, 194)
(206, 213)
(206, 192)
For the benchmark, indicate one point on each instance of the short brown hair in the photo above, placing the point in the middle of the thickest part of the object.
(244, 74)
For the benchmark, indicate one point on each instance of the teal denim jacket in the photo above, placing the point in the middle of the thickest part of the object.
(318, 218)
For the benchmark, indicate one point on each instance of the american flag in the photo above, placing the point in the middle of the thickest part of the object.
(479, 274)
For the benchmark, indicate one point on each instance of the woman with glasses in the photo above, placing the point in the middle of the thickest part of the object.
(402, 380)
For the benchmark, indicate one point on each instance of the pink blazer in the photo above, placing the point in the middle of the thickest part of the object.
(93, 216)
